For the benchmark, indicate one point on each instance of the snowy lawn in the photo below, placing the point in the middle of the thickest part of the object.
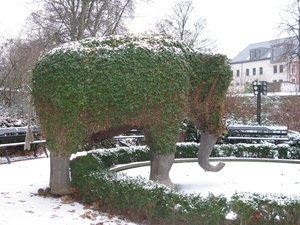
(20, 182)
(259, 177)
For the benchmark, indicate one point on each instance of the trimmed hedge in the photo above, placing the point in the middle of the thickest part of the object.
(142, 198)
(123, 155)
(265, 209)
(267, 150)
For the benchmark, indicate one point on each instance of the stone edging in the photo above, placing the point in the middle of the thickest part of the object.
(121, 167)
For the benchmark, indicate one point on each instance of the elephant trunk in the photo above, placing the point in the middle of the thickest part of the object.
(207, 142)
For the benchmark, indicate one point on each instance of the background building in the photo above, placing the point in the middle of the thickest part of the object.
(272, 61)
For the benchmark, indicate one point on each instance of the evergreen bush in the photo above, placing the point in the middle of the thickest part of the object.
(144, 198)
(254, 208)
(121, 155)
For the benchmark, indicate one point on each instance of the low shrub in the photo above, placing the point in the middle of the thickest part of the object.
(142, 198)
(266, 150)
(265, 209)
(187, 150)
(122, 155)
(80, 168)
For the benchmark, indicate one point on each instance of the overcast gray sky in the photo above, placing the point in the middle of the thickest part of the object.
(233, 23)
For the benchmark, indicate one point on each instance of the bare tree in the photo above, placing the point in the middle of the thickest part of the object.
(182, 24)
(290, 25)
(55, 22)
(17, 57)
(71, 20)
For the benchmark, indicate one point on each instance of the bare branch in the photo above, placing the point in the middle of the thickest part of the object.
(290, 25)
(182, 24)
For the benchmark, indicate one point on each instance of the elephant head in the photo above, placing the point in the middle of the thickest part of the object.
(212, 76)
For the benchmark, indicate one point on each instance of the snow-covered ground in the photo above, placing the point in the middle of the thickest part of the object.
(259, 177)
(20, 181)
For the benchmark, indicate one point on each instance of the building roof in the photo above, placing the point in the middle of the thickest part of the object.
(244, 56)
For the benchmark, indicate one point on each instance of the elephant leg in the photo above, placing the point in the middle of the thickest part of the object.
(207, 142)
(162, 144)
(160, 168)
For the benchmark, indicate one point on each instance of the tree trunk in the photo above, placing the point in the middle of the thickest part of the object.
(181, 136)
(81, 19)
(59, 175)
(207, 142)
(160, 168)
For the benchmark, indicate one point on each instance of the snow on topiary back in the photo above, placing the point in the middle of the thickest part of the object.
(154, 43)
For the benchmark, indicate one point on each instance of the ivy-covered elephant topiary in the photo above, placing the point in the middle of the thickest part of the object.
(94, 89)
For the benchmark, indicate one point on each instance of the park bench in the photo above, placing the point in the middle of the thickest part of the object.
(15, 136)
(132, 134)
(258, 133)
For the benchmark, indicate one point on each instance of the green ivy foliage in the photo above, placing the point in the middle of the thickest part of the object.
(149, 81)
(209, 85)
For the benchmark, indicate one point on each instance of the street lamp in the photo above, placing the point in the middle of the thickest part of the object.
(255, 86)
(264, 87)
(259, 89)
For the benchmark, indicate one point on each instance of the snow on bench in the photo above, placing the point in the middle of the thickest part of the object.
(272, 133)
(15, 136)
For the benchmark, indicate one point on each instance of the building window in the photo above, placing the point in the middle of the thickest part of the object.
(238, 73)
(247, 72)
(255, 54)
(293, 80)
(280, 80)
(254, 71)
(281, 69)
(293, 69)
(274, 81)
(277, 53)
(275, 69)
(261, 70)
(252, 54)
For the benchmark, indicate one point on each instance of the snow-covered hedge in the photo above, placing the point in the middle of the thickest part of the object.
(254, 208)
(266, 150)
(121, 155)
(143, 199)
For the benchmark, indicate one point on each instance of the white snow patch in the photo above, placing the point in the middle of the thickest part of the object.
(258, 177)
(20, 182)
(152, 43)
